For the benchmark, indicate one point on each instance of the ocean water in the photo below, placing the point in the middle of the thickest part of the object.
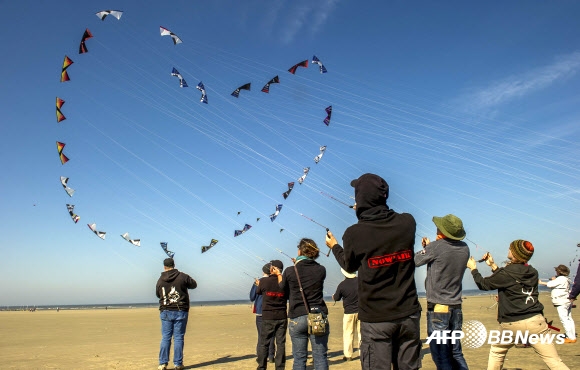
(118, 306)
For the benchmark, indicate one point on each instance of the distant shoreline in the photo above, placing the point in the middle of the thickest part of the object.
(117, 306)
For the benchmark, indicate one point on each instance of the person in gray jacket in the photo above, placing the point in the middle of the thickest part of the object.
(445, 259)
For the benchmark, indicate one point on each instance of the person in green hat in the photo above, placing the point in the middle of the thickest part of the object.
(445, 259)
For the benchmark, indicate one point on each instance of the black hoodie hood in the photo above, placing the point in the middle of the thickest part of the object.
(170, 275)
(370, 194)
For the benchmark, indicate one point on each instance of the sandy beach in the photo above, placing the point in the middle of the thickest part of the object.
(217, 338)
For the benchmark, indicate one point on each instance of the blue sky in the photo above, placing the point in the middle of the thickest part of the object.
(463, 108)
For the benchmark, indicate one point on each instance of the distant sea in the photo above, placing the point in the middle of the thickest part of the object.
(118, 306)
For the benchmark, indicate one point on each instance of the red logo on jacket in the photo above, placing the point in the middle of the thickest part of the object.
(389, 259)
(275, 294)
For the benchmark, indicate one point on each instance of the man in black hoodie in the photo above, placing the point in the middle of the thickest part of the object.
(173, 297)
(380, 247)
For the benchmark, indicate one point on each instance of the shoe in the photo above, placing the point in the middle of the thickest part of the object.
(162, 367)
(344, 358)
(271, 360)
(569, 341)
(179, 367)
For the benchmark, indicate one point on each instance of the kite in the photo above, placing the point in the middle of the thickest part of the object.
(281, 230)
(64, 75)
(115, 13)
(135, 242)
(83, 47)
(59, 115)
(315, 60)
(303, 177)
(74, 216)
(319, 157)
(266, 87)
(165, 32)
(328, 115)
(207, 247)
(63, 181)
(287, 192)
(275, 214)
(100, 234)
(257, 219)
(304, 64)
(169, 253)
(60, 147)
(201, 88)
(240, 232)
(236, 92)
(239, 213)
(176, 73)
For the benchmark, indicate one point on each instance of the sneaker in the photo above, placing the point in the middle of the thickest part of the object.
(162, 367)
(344, 358)
(568, 340)
(271, 360)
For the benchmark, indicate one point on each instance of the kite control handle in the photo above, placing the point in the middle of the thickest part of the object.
(328, 236)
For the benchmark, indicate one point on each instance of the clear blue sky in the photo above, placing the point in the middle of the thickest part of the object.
(465, 108)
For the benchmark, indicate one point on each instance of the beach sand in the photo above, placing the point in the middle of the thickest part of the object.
(217, 338)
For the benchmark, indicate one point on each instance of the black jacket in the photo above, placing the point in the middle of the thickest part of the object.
(347, 290)
(380, 246)
(172, 291)
(273, 298)
(312, 276)
(517, 289)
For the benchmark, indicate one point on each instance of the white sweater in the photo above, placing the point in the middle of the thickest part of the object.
(560, 289)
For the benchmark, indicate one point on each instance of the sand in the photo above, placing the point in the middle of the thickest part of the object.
(217, 338)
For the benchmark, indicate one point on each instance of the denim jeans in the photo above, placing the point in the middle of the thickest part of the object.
(448, 355)
(298, 329)
(173, 324)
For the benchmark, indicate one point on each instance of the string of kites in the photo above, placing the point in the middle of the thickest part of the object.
(182, 83)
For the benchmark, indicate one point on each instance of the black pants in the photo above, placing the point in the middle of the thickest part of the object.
(271, 346)
(396, 342)
(273, 329)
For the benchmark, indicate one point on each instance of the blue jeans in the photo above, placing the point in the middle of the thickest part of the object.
(298, 329)
(449, 355)
(173, 324)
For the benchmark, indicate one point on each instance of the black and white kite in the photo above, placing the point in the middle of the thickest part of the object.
(328, 115)
(169, 253)
(165, 32)
(315, 60)
(266, 87)
(240, 232)
(207, 247)
(303, 177)
(201, 88)
(176, 73)
(100, 234)
(114, 13)
(71, 208)
(236, 92)
(319, 157)
(64, 181)
(275, 214)
(135, 242)
(287, 192)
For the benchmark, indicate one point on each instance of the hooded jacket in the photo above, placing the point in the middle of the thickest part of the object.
(380, 248)
(517, 289)
(560, 289)
(172, 291)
